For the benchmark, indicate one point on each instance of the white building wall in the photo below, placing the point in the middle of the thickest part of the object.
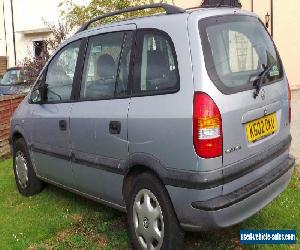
(188, 3)
(2, 37)
(28, 21)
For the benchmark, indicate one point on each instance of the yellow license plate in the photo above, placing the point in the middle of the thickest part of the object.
(261, 128)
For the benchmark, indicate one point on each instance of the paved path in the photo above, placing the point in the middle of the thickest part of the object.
(295, 150)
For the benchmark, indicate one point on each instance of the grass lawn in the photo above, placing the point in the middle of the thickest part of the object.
(57, 219)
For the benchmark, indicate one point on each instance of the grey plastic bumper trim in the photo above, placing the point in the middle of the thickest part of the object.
(224, 201)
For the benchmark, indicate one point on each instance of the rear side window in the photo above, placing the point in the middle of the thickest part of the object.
(106, 67)
(156, 68)
(236, 50)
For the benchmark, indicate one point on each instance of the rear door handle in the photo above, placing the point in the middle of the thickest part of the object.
(115, 127)
(63, 125)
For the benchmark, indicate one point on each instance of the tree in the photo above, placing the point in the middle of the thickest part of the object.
(76, 15)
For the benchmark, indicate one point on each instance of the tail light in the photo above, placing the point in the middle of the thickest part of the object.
(207, 127)
(290, 99)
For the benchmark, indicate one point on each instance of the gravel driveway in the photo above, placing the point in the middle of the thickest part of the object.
(295, 150)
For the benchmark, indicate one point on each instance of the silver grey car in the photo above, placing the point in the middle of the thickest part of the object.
(181, 119)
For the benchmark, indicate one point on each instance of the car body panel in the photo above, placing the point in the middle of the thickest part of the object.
(95, 146)
(51, 148)
(14, 89)
(160, 125)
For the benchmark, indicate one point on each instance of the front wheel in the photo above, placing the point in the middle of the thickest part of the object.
(151, 217)
(27, 182)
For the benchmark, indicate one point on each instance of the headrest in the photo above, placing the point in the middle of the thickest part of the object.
(106, 67)
(158, 66)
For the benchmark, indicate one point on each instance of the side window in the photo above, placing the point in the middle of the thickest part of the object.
(242, 54)
(60, 73)
(158, 64)
(106, 67)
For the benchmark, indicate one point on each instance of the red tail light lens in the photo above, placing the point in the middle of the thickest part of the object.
(290, 100)
(207, 127)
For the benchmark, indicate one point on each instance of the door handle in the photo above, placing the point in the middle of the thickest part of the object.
(63, 125)
(115, 127)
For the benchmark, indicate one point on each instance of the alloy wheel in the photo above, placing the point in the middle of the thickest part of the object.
(148, 220)
(21, 169)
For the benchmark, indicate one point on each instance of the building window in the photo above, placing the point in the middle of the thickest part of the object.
(39, 48)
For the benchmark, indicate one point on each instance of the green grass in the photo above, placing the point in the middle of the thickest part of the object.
(57, 219)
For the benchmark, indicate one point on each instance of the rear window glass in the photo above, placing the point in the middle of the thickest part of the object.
(237, 50)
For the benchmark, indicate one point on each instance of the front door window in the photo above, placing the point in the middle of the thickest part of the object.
(61, 72)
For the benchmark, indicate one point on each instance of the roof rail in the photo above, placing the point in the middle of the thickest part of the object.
(169, 9)
(221, 3)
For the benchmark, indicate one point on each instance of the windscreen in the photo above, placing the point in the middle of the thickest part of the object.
(11, 77)
(237, 50)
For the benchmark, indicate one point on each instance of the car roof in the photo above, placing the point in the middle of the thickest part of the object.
(201, 12)
(195, 13)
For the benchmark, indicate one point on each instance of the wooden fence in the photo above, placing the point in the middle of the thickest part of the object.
(3, 64)
(8, 105)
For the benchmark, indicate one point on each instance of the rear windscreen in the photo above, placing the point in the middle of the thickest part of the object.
(237, 49)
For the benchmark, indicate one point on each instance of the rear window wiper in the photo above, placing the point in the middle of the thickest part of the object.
(258, 82)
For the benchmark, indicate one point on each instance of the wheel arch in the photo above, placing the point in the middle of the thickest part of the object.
(140, 163)
(17, 133)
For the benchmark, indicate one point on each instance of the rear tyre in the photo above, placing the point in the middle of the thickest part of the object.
(151, 217)
(27, 182)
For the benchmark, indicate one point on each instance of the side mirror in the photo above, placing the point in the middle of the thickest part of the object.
(39, 94)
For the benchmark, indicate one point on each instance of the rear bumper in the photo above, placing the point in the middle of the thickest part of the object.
(243, 193)
(232, 208)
